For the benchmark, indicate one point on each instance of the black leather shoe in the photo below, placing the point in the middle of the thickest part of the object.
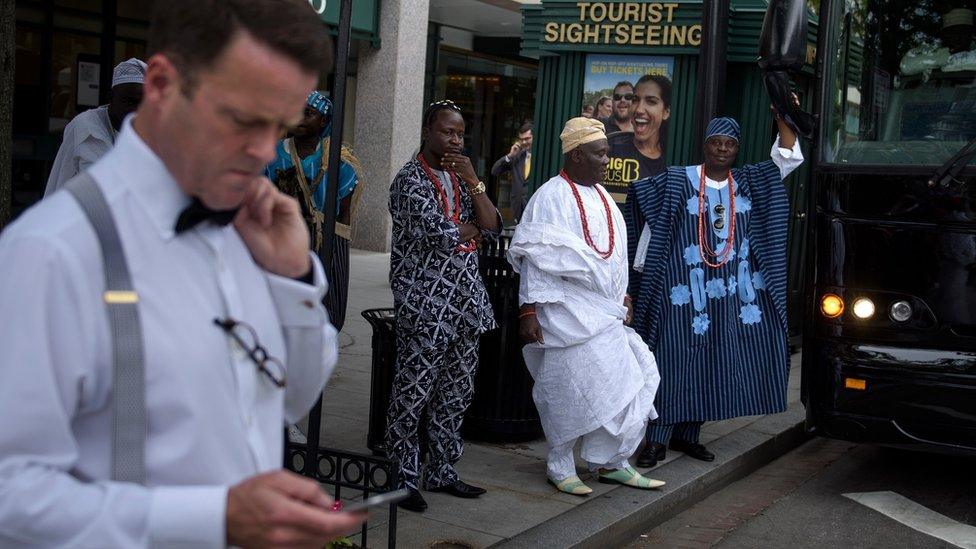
(414, 502)
(652, 453)
(459, 489)
(692, 449)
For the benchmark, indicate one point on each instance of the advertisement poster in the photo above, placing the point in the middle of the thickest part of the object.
(631, 94)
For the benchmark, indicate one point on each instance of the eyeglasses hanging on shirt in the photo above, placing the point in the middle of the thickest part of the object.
(719, 223)
(247, 339)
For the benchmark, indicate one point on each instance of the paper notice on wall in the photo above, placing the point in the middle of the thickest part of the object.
(88, 75)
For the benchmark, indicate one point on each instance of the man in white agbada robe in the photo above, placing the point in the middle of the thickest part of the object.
(595, 378)
(91, 134)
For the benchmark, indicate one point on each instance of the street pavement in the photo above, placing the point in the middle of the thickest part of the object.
(830, 493)
(520, 508)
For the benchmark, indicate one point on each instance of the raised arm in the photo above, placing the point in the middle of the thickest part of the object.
(785, 153)
(787, 138)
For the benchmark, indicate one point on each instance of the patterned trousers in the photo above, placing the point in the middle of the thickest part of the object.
(663, 432)
(337, 274)
(438, 378)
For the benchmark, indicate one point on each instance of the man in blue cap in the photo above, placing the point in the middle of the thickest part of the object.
(300, 170)
(708, 243)
(308, 147)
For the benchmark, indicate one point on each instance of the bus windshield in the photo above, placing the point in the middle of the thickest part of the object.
(903, 82)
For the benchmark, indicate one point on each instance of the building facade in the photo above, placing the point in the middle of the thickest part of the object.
(404, 54)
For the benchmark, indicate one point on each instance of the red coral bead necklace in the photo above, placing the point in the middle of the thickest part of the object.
(454, 214)
(704, 248)
(586, 226)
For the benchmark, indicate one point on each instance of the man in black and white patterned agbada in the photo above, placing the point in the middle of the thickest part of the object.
(440, 214)
(595, 379)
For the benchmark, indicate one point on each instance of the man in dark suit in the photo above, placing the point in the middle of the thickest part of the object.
(519, 162)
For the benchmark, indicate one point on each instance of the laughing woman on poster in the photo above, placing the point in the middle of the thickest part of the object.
(641, 154)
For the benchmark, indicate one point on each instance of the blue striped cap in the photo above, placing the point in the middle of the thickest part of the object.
(723, 126)
(318, 101)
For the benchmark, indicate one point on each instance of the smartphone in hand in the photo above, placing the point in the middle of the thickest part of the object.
(378, 500)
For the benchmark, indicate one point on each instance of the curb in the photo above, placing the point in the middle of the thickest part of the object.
(621, 515)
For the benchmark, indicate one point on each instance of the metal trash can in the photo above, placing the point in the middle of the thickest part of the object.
(502, 409)
(381, 380)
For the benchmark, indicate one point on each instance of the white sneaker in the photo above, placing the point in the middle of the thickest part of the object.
(295, 435)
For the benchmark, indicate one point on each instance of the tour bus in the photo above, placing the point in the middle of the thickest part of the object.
(889, 338)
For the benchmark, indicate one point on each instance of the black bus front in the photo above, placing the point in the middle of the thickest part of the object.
(889, 345)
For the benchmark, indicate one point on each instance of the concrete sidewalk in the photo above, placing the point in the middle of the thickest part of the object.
(520, 508)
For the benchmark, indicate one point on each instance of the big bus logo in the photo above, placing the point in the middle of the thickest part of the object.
(622, 170)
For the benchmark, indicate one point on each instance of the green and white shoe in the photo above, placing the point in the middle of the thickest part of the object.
(630, 477)
(571, 485)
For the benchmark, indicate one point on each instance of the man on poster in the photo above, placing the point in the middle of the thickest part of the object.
(620, 121)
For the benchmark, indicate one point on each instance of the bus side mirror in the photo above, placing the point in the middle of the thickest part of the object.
(782, 50)
(783, 41)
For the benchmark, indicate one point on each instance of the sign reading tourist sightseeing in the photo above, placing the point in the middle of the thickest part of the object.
(623, 23)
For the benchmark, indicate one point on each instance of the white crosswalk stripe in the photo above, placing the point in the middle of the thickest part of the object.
(918, 517)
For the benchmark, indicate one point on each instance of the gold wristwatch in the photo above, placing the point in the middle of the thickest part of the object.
(477, 189)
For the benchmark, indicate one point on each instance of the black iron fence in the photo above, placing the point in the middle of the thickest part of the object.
(502, 409)
(345, 472)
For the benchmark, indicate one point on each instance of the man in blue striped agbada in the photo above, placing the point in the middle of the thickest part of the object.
(709, 245)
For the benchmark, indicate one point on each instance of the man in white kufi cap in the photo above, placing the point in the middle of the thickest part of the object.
(957, 37)
(595, 379)
(92, 133)
(956, 52)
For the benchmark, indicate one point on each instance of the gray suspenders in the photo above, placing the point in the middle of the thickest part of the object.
(121, 302)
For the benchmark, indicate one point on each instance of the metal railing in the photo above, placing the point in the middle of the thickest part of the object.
(339, 469)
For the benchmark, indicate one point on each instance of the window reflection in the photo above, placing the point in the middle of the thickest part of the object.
(127, 50)
(904, 87)
(134, 9)
(68, 50)
(496, 96)
(94, 6)
(27, 81)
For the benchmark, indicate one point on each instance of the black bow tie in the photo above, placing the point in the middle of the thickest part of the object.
(196, 213)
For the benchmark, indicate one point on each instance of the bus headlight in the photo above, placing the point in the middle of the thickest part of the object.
(900, 311)
(863, 308)
(832, 306)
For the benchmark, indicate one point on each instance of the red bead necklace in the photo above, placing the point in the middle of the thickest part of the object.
(703, 246)
(586, 226)
(454, 215)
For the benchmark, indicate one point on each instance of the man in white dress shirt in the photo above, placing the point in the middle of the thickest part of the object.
(224, 79)
(595, 379)
(91, 134)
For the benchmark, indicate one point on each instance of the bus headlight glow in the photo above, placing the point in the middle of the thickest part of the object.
(900, 311)
(832, 306)
(863, 308)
